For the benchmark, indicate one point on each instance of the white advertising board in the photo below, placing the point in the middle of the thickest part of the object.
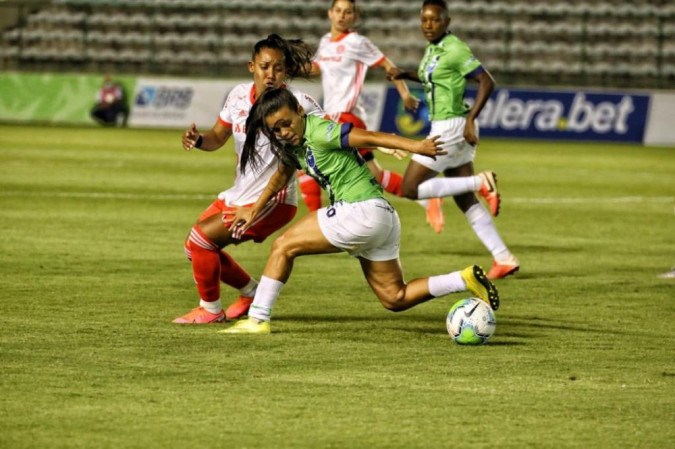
(176, 103)
(661, 123)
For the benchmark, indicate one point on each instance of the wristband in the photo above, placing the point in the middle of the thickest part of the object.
(200, 140)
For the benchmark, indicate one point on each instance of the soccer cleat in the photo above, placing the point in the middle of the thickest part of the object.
(504, 268)
(248, 326)
(239, 308)
(477, 283)
(435, 217)
(200, 315)
(489, 191)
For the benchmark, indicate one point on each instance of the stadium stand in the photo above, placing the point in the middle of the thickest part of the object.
(522, 42)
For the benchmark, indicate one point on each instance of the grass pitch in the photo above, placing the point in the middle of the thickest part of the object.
(93, 272)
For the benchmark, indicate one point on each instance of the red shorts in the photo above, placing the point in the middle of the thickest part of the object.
(348, 117)
(274, 217)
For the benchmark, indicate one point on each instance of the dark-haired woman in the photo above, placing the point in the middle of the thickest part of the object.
(358, 221)
(274, 60)
(447, 65)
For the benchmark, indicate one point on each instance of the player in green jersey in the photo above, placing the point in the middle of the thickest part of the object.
(444, 70)
(358, 220)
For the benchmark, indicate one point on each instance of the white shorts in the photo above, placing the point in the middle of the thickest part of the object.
(452, 135)
(370, 229)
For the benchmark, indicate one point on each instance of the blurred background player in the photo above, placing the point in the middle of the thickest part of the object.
(342, 60)
(447, 64)
(273, 61)
(111, 107)
(358, 221)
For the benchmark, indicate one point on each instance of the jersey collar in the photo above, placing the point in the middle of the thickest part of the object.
(340, 36)
(253, 91)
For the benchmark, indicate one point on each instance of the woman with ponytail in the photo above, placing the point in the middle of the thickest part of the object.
(274, 60)
(358, 220)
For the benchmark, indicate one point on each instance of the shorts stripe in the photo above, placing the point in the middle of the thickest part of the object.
(197, 239)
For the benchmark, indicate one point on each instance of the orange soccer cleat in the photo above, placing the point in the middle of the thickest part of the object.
(200, 315)
(435, 217)
(504, 268)
(239, 308)
(489, 191)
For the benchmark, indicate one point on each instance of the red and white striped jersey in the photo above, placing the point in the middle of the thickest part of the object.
(249, 186)
(344, 62)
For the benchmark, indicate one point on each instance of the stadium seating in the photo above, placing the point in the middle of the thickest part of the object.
(520, 41)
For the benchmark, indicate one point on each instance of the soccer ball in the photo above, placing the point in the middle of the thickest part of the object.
(471, 322)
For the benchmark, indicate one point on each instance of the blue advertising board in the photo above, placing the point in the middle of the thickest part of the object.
(540, 114)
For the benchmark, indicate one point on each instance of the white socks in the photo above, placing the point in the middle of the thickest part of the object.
(443, 187)
(249, 289)
(481, 222)
(211, 306)
(445, 284)
(265, 296)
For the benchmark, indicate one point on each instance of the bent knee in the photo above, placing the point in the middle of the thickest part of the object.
(284, 247)
(409, 191)
(394, 302)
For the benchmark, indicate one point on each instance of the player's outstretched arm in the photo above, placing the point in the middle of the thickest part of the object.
(361, 138)
(397, 74)
(410, 102)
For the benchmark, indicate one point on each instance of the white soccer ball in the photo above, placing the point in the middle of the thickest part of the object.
(471, 322)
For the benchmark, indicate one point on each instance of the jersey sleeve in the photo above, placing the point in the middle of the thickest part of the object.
(465, 61)
(309, 104)
(368, 53)
(327, 134)
(225, 116)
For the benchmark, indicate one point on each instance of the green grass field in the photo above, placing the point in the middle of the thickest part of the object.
(93, 272)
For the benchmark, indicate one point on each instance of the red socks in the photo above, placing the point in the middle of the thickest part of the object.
(391, 182)
(311, 191)
(210, 266)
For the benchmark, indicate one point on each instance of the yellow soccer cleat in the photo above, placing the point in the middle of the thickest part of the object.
(480, 286)
(248, 326)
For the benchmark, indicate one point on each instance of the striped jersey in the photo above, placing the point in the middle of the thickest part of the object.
(344, 62)
(248, 186)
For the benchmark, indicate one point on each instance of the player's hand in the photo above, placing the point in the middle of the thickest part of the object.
(411, 103)
(398, 154)
(241, 221)
(431, 147)
(190, 137)
(470, 132)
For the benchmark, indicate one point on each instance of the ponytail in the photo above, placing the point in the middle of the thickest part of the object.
(271, 101)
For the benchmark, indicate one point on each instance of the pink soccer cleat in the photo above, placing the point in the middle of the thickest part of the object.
(239, 308)
(200, 315)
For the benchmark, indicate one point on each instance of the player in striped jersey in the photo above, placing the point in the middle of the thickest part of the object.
(273, 61)
(342, 60)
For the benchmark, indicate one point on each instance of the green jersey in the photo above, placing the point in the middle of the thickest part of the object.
(442, 71)
(338, 168)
